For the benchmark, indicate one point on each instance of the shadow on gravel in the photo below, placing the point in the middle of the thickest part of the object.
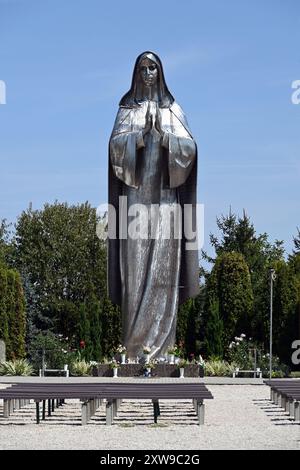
(278, 416)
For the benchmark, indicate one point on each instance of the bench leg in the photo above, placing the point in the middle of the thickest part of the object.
(11, 406)
(156, 409)
(291, 407)
(109, 413)
(200, 411)
(297, 410)
(49, 407)
(84, 413)
(6, 407)
(44, 410)
(37, 408)
(287, 406)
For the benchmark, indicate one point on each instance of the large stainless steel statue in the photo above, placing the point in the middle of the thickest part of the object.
(152, 163)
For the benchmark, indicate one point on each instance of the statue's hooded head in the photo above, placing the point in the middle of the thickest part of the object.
(131, 98)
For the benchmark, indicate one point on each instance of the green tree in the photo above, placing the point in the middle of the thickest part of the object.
(237, 234)
(286, 295)
(294, 267)
(229, 299)
(62, 261)
(84, 333)
(18, 331)
(3, 306)
(12, 313)
(94, 309)
(111, 327)
(214, 329)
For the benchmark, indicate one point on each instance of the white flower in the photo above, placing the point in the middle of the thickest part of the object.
(243, 335)
(146, 349)
(238, 339)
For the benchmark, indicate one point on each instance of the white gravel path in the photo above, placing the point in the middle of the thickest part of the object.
(239, 417)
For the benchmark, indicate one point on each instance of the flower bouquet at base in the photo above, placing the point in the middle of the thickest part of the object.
(114, 365)
(146, 352)
(182, 363)
(122, 351)
(148, 367)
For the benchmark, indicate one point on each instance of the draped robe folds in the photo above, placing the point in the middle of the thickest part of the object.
(148, 276)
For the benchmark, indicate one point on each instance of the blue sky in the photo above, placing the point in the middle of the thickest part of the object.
(230, 64)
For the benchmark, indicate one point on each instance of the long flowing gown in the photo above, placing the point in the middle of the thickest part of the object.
(151, 168)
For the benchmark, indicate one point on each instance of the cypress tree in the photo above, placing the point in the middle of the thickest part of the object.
(3, 306)
(94, 310)
(19, 317)
(214, 331)
(11, 348)
(84, 340)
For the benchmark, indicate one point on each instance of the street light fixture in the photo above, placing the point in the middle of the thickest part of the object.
(272, 279)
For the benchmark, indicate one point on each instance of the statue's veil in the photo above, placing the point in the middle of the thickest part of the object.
(130, 99)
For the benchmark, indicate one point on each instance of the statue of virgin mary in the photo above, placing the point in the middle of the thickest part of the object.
(152, 164)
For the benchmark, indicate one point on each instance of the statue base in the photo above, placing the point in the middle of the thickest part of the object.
(137, 370)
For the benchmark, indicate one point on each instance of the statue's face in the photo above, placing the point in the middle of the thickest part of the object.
(148, 71)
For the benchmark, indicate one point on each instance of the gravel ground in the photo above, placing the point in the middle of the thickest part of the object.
(239, 417)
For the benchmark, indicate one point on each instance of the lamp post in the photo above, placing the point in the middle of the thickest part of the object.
(272, 279)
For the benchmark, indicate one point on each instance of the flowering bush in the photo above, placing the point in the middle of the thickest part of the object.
(239, 352)
(280, 370)
(55, 348)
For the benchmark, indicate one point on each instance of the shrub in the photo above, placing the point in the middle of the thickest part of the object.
(56, 351)
(239, 352)
(16, 367)
(80, 368)
(218, 368)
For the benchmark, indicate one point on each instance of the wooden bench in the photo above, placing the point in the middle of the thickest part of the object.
(286, 394)
(92, 396)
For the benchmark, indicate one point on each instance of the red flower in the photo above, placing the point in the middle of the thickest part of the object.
(82, 344)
